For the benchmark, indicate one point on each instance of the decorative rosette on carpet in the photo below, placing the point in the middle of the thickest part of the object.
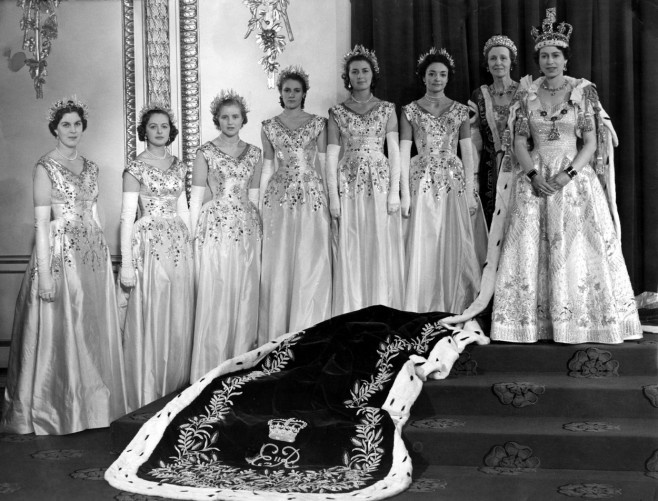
(314, 415)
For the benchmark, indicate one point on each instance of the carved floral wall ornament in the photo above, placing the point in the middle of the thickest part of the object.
(266, 17)
(39, 25)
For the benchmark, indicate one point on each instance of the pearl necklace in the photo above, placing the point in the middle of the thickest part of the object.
(363, 102)
(154, 156)
(65, 157)
(500, 93)
(554, 90)
(433, 99)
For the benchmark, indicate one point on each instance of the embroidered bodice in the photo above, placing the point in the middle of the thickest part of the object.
(363, 134)
(71, 194)
(229, 177)
(158, 190)
(436, 135)
(558, 122)
(296, 180)
(294, 149)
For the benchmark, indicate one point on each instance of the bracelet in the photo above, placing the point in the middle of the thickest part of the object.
(531, 174)
(571, 172)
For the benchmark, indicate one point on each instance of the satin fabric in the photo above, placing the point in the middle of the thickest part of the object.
(157, 314)
(296, 278)
(227, 261)
(65, 365)
(561, 274)
(442, 268)
(369, 247)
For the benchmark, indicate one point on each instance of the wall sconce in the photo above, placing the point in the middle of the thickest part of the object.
(266, 15)
(39, 25)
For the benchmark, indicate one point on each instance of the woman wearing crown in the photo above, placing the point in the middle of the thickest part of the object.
(364, 192)
(442, 272)
(555, 233)
(227, 241)
(490, 105)
(65, 365)
(157, 281)
(296, 274)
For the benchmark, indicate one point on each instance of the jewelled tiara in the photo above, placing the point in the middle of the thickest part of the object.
(499, 41)
(360, 50)
(293, 71)
(224, 96)
(65, 103)
(441, 52)
(160, 107)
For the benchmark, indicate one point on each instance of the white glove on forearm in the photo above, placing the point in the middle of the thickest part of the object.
(405, 161)
(183, 211)
(322, 158)
(253, 194)
(466, 148)
(128, 212)
(266, 173)
(393, 144)
(196, 202)
(333, 150)
(42, 226)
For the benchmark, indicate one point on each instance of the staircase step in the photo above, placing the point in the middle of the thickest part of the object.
(458, 483)
(550, 394)
(558, 443)
(633, 357)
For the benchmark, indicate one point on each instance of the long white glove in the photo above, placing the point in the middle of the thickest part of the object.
(333, 150)
(196, 202)
(94, 214)
(405, 161)
(183, 211)
(466, 148)
(128, 212)
(253, 194)
(322, 158)
(42, 226)
(266, 173)
(393, 143)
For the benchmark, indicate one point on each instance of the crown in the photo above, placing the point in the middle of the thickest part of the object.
(65, 103)
(499, 41)
(441, 52)
(292, 71)
(285, 430)
(157, 106)
(548, 37)
(360, 50)
(224, 96)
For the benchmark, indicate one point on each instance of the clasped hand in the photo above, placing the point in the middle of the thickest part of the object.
(551, 186)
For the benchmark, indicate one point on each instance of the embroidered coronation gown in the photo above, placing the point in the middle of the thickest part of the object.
(158, 312)
(443, 271)
(369, 255)
(65, 366)
(227, 261)
(561, 274)
(296, 276)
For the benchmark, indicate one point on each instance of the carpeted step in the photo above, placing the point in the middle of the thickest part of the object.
(628, 358)
(548, 443)
(540, 394)
(454, 483)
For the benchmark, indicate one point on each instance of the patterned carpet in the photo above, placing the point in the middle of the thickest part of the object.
(543, 422)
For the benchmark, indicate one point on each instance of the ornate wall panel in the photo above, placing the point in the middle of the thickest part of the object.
(128, 18)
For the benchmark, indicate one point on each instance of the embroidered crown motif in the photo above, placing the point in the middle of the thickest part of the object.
(157, 106)
(360, 50)
(291, 71)
(285, 430)
(64, 103)
(224, 96)
(499, 41)
(440, 52)
(548, 37)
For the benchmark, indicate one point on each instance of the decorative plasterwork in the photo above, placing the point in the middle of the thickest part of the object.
(130, 111)
(157, 52)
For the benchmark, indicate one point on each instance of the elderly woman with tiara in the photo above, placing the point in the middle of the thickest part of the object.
(65, 364)
(442, 269)
(364, 191)
(490, 105)
(227, 239)
(157, 281)
(554, 264)
(296, 274)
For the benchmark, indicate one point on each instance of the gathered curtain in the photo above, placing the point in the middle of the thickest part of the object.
(614, 44)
